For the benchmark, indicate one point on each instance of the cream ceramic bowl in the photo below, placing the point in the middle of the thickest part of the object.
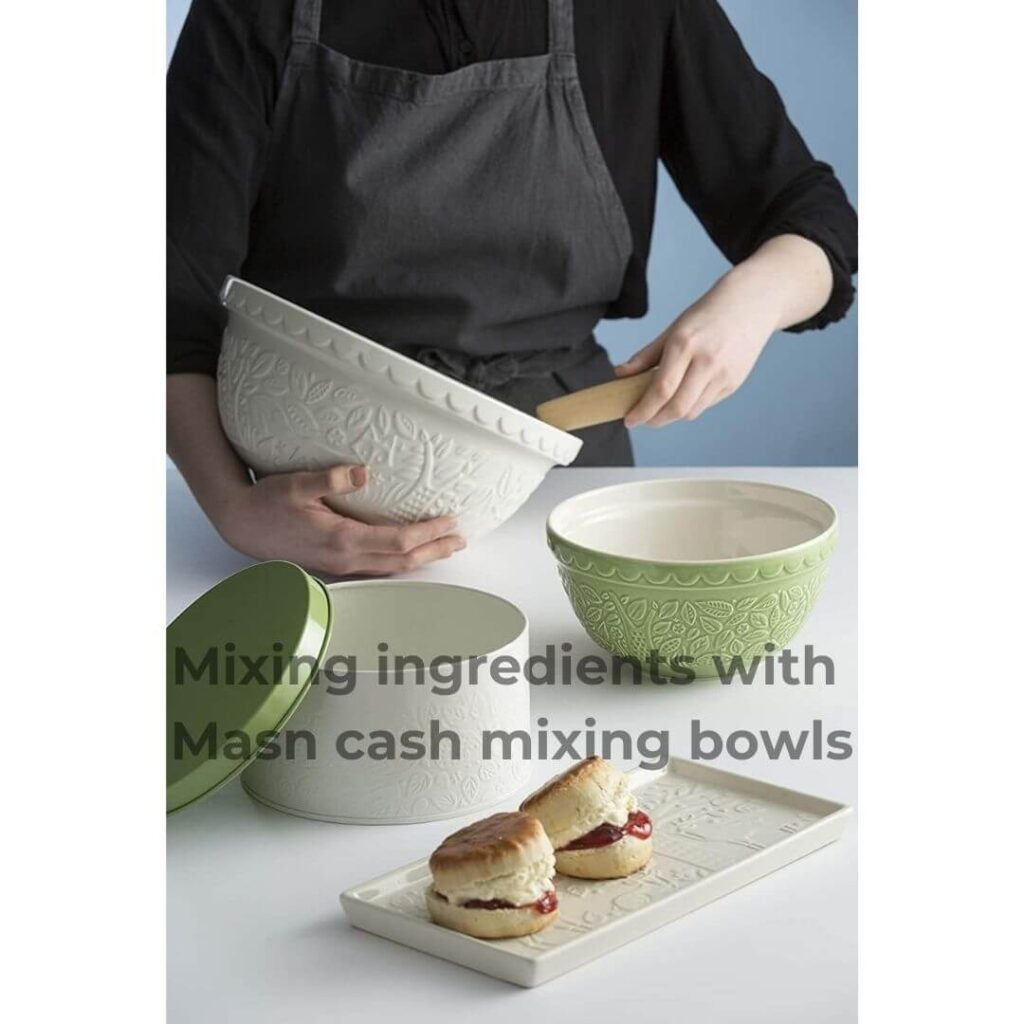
(298, 392)
(358, 703)
(704, 570)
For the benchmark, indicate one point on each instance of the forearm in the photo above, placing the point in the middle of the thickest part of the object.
(707, 352)
(196, 443)
(786, 281)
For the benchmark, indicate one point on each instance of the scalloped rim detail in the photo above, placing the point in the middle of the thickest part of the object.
(764, 570)
(453, 397)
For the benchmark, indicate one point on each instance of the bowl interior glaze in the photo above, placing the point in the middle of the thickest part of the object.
(692, 521)
(428, 620)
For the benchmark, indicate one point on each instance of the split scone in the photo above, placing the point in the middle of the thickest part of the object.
(593, 822)
(495, 878)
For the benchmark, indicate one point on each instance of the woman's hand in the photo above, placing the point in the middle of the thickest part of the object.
(703, 357)
(709, 351)
(286, 516)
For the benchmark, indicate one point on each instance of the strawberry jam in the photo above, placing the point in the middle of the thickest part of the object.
(637, 825)
(489, 905)
(548, 903)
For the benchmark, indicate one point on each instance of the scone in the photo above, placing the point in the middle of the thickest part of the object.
(495, 878)
(593, 822)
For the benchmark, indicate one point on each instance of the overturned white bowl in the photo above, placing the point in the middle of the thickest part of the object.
(297, 392)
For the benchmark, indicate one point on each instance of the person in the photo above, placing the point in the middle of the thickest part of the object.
(472, 183)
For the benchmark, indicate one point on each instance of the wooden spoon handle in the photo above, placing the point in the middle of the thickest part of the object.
(600, 404)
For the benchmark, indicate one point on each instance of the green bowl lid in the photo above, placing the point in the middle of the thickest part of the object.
(240, 659)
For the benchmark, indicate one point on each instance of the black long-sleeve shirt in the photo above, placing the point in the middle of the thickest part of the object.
(665, 79)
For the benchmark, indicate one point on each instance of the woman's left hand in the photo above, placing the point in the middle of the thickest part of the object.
(708, 351)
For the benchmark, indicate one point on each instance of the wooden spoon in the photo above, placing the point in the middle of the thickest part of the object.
(600, 404)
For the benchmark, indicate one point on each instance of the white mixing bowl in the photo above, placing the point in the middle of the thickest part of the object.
(297, 392)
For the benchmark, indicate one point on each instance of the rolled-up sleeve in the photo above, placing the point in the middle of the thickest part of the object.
(221, 89)
(737, 159)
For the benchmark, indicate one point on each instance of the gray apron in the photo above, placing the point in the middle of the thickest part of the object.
(466, 219)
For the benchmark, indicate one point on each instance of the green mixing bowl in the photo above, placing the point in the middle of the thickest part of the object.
(706, 574)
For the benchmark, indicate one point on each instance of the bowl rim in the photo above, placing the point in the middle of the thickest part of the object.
(483, 411)
(780, 553)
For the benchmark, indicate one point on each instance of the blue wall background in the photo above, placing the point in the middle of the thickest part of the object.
(799, 406)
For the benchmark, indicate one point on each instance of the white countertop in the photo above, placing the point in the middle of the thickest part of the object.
(255, 931)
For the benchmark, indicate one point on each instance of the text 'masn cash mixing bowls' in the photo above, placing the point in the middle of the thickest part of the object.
(297, 392)
(706, 570)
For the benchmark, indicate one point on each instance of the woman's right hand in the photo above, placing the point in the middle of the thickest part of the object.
(285, 516)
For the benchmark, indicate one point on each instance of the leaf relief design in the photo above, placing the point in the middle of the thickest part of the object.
(632, 623)
(283, 417)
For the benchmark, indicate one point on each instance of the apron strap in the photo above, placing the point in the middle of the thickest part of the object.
(561, 37)
(306, 21)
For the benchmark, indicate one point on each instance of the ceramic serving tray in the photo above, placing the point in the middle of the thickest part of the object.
(714, 832)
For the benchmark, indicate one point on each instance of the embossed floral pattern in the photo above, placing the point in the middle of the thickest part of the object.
(283, 416)
(635, 624)
(708, 614)
(331, 787)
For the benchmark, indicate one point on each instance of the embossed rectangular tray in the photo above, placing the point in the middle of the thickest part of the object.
(714, 832)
